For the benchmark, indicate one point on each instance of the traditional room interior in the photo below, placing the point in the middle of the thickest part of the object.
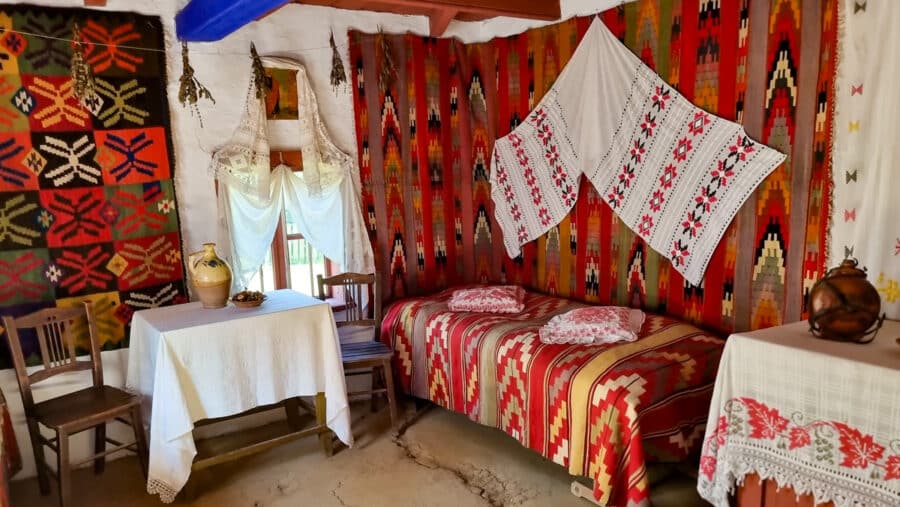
(449, 252)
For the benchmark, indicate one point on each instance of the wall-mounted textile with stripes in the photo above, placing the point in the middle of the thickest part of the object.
(426, 132)
(87, 201)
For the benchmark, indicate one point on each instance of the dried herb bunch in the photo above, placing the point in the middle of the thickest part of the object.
(191, 90)
(259, 73)
(82, 75)
(338, 76)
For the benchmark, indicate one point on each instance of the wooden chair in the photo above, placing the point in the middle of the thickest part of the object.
(362, 352)
(66, 415)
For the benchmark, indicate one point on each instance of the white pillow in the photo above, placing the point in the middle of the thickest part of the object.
(495, 298)
(594, 325)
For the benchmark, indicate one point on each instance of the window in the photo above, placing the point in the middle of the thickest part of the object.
(291, 262)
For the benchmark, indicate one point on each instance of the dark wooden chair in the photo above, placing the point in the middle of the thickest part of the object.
(362, 352)
(92, 407)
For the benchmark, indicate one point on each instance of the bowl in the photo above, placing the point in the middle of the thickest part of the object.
(248, 299)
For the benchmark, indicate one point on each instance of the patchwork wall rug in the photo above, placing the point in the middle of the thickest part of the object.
(87, 199)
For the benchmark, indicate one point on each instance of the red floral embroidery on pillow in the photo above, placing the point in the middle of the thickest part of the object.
(594, 324)
(498, 299)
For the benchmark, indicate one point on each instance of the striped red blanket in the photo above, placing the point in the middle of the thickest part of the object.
(601, 411)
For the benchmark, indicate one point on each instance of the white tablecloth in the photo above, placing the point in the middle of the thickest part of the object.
(197, 363)
(820, 416)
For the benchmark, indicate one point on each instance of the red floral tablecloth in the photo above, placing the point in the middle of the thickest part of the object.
(822, 417)
(10, 459)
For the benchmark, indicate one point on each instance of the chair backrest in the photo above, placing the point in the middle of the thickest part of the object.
(57, 330)
(358, 288)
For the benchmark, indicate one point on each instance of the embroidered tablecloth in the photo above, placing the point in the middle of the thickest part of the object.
(822, 417)
(194, 363)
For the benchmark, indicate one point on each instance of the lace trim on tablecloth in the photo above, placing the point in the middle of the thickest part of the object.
(166, 493)
(736, 462)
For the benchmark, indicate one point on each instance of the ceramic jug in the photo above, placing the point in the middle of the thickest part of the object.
(210, 276)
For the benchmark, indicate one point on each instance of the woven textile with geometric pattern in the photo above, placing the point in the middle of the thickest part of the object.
(425, 138)
(600, 411)
(87, 200)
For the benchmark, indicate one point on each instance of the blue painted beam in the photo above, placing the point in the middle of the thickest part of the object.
(211, 20)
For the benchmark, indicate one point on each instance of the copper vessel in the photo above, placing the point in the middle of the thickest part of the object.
(844, 306)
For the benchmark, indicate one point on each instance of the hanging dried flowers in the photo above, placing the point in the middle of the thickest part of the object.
(338, 76)
(388, 67)
(82, 75)
(259, 74)
(191, 90)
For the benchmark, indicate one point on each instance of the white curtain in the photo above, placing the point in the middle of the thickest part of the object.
(323, 200)
(866, 174)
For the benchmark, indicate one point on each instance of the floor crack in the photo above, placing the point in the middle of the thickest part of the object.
(483, 482)
(334, 493)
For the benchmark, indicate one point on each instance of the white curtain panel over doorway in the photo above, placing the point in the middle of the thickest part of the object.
(866, 148)
(323, 200)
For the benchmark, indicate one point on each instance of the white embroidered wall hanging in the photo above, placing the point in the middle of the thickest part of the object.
(866, 180)
(674, 173)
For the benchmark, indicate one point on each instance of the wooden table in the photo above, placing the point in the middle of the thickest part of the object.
(817, 416)
(196, 366)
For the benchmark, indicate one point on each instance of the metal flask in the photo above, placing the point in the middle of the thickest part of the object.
(844, 306)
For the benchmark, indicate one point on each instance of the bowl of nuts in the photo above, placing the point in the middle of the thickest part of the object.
(248, 298)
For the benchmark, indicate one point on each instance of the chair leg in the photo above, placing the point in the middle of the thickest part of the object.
(34, 432)
(388, 376)
(63, 469)
(140, 438)
(377, 382)
(99, 447)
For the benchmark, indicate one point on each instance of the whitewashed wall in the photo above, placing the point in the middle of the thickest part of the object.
(296, 31)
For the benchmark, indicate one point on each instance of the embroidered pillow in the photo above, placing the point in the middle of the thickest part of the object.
(496, 299)
(594, 325)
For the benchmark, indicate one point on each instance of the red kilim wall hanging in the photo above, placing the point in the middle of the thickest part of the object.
(425, 139)
(87, 200)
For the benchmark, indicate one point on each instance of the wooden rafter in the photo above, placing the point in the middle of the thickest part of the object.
(439, 19)
(209, 20)
(441, 12)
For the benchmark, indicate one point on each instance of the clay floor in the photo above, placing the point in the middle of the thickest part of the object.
(443, 460)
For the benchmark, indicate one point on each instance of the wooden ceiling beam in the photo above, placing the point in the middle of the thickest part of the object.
(439, 19)
(533, 9)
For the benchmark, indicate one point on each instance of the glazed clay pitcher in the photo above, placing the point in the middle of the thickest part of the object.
(210, 276)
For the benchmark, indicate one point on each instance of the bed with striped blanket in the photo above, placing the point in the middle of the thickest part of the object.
(601, 411)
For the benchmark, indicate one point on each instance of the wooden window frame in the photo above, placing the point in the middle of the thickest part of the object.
(280, 267)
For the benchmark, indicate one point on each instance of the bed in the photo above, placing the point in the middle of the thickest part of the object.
(600, 411)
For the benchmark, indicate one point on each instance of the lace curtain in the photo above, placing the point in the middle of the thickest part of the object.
(243, 163)
(323, 201)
